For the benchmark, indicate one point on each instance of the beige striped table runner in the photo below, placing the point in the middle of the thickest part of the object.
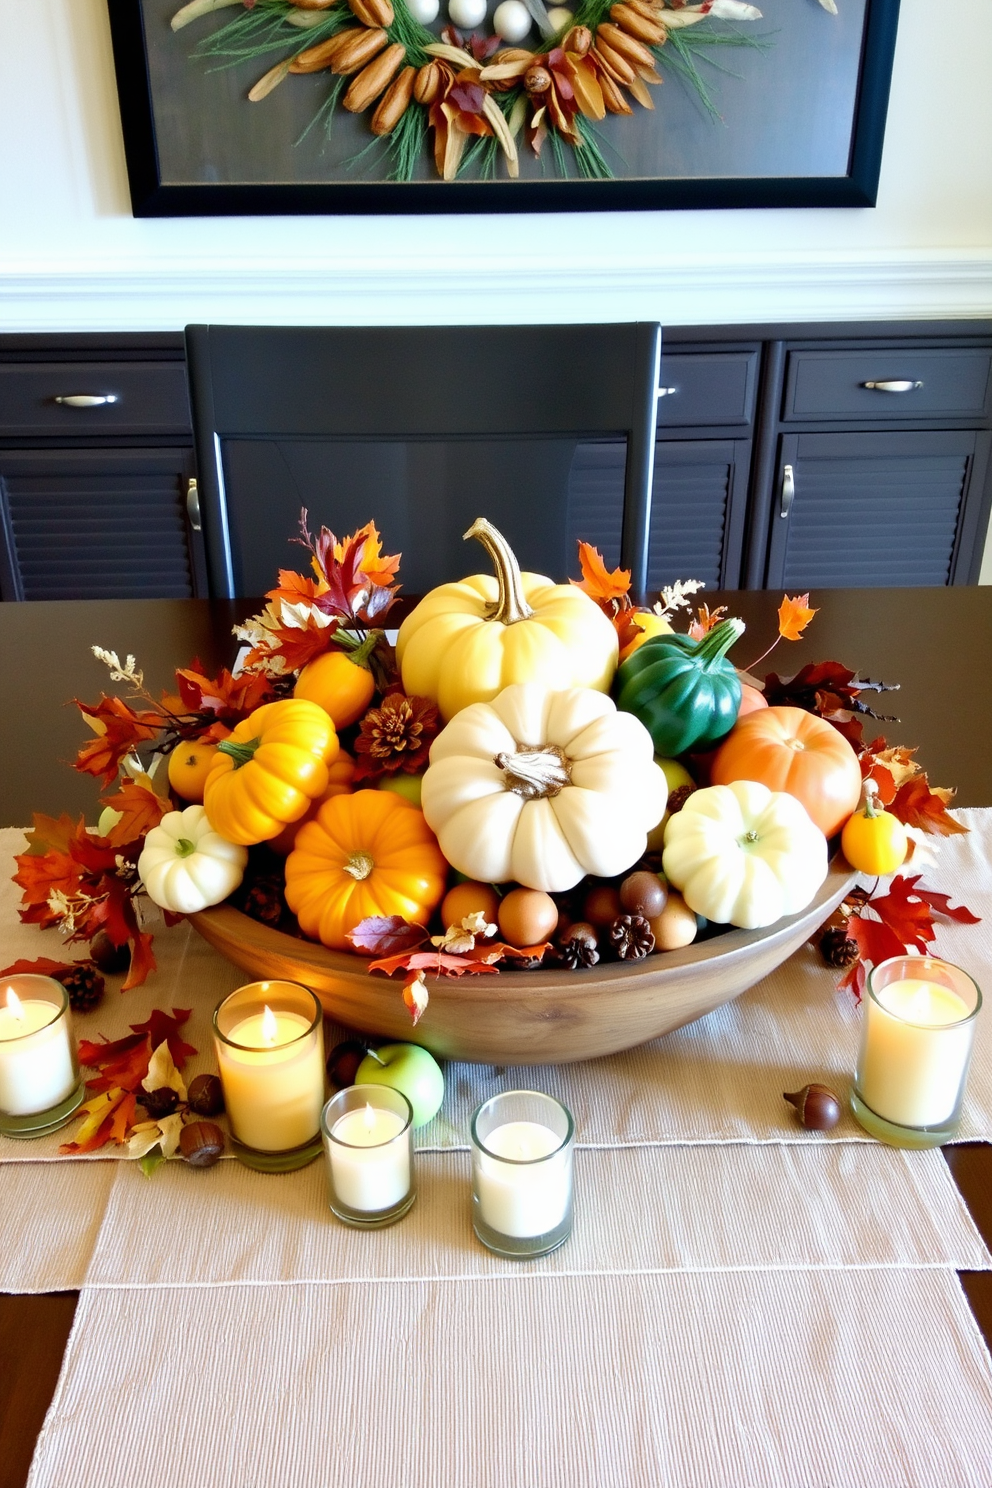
(851, 1379)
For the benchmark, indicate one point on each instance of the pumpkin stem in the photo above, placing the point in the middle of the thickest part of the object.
(184, 848)
(534, 773)
(511, 605)
(358, 649)
(717, 642)
(359, 865)
(871, 799)
(240, 753)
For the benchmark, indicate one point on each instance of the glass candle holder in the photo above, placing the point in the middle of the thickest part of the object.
(522, 1144)
(270, 1052)
(368, 1143)
(918, 1024)
(40, 1088)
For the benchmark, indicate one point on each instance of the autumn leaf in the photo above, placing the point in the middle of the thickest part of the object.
(228, 697)
(602, 586)
(384, 935)
(123, 1118)
(140, 808)
(918, 804)
(832, 692)
(705, 620)
(437, 962)
(42, 966)
(906, 915)
(52, 834)
(161, 1027)
(491, 951)
(416, 997)
(119, 730)
(793, 616)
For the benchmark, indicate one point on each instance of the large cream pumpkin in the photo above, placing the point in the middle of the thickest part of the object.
(543, 787)
(465, 642)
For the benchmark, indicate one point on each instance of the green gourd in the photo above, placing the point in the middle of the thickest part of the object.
(685, 692)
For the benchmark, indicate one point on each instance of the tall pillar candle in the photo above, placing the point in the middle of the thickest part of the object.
(39, 1073)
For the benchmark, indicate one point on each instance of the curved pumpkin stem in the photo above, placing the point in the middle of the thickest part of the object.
(511, 605)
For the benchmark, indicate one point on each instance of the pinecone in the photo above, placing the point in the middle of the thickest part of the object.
(838, 949)
(84, 984)
(577, 955)
(631, 937)
(264, 901)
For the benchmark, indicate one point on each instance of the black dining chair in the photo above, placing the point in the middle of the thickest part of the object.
(421, 429)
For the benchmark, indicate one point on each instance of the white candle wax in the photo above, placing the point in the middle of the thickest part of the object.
(523, 1197)
(370, 1171)
(36, 1064)
(914, 1053)
(273, 1087)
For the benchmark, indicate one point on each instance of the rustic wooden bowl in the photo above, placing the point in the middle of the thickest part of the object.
(529, 1017)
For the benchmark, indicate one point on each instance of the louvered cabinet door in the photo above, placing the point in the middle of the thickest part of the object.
(97, 524)
(876, 510)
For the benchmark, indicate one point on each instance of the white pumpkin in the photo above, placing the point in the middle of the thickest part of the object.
(543, 787)
(744, 855)
(186, 866)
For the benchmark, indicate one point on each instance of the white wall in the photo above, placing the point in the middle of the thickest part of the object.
(72, 258)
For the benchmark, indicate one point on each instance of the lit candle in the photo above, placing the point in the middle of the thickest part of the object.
(270, 1056)
(38, 1067)
(916, 1042)
(522, 1173)
(368, 1140)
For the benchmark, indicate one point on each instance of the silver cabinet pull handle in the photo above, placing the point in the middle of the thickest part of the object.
(193, 506)
(667, 392)
(900, 385)
(788, 491)
(86, 400)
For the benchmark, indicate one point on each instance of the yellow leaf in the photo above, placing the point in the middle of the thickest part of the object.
(793, 616)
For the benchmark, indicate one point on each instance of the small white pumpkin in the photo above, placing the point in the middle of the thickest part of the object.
(744, 855)
(186, 866)
(543, 787)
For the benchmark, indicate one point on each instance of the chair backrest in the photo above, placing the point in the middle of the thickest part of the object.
(421, 429)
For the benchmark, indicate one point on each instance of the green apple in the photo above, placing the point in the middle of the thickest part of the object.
(412, 1071)
(407, 786)
(676, 775)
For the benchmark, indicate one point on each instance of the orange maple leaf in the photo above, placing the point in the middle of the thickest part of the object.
(793, 616)
(381, 568)
(600, 585)
(140, 808)
(118, 730)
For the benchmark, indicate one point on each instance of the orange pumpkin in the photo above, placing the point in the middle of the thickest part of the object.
(367, 853)
(340, 775)
(338, 683)
(751, 700)
(790, 750)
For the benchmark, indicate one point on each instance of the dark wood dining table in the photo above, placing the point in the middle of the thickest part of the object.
(935, 643)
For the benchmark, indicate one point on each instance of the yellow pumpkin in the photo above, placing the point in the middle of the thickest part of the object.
(369, 853)
(465, 642)
(269, 770)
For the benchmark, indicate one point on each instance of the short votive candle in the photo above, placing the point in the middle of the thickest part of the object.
(268, 1038)
(918, 1025)
(368, 1143)
(522, 1146)
(40, 1086)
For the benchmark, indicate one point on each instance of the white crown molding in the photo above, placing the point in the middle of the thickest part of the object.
(166, 294)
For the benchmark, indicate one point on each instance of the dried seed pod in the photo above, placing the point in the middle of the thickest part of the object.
(361, 47)
(206, 1096)
(632, 50)
(613, 96)
(108, 957)
(537, 80)
(374, 79)
(617, 67)
(631, 937)
(316, 58)
(578, 41)
(426, 83)
(578, 947)
(159, 1103)
(394, 102)
(512, 54)
(635, 23)
(373, 12)
(201, 1144)
(838, 948)
(582, 931)
(817, 1107)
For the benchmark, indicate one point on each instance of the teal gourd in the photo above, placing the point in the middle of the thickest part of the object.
(685, 692)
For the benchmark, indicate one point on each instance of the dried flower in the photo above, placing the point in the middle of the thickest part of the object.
(396, 736)
(128, 672)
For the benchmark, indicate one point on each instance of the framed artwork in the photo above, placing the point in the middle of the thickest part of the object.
(363, 106)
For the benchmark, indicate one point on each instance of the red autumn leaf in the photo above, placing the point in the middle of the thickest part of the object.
(941, 903)
(793, 616)
(876, 940)
(160, 1026)
(40, 878)
(53, 834)
(832, 692)
(918, 804)
(95, 1054)
(596, 581)
(383, 935)
(491, 951)
(440, 963)
(855, 980)
(126, 1068)
(904, 912)
(295, 647)
(229, 698)
(140, 808)
(42, 966)
(119, 730)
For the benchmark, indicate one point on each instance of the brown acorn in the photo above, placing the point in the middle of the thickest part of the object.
(201, 1144)
(206, 1096)
(817, 1107)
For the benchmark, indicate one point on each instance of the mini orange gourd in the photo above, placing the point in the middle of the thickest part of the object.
(788, 749)
(340, 682)
(269, 770)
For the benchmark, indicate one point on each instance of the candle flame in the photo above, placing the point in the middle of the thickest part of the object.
(14, 1004)
(270, 1028)
(369, 1116)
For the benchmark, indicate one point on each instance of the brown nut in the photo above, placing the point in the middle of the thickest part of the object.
(206, 1095)
(201, 1144)
(316, 58)
(636, 24)
(578, 40)
(632, 50)
(374, 79)
(537, 80)
(817, 1107)
(616, 67)
(362, 45)
(372, 12)
(107, 956)
(613, 96)
(394, 103)
(312, 4)
(643, 893)
(427, 83)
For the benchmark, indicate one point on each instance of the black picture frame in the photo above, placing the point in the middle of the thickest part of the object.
(154, 196)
